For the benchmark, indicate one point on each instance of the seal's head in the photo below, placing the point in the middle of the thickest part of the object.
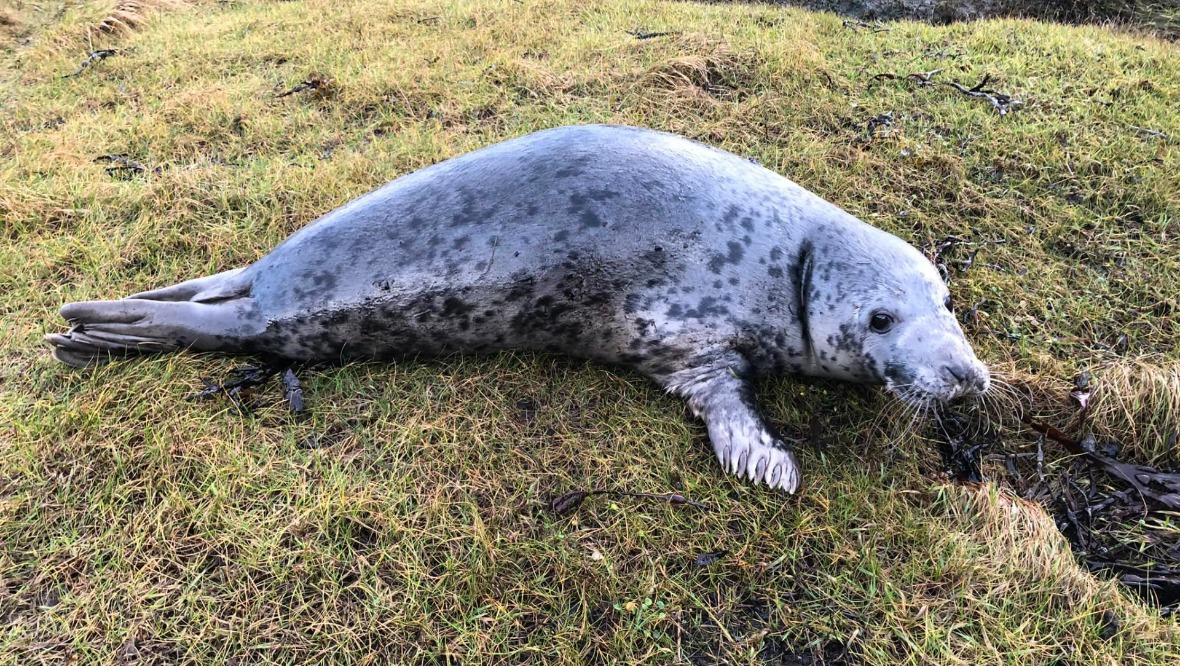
(877, 310)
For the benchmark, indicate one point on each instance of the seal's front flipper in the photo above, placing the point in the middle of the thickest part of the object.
(718, 392)
(104, 329)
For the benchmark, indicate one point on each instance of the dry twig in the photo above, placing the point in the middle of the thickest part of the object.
(1145, 480)
(1000, 101)
(122, 165)
(315, 85)
(1150, 132)
(871, 27)
(639, 34)
(94, 57)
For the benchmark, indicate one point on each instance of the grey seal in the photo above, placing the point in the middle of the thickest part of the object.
(697, 268)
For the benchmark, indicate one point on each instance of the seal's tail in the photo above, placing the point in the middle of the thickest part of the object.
(204, 314)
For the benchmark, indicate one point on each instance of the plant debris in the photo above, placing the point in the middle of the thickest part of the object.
(923, 78)
(943, 246)
(1150, 132)
(1162, 487)
(292, 391)
(94, 57)
(871, 27)
(999, 101)
(883, 120)
(250, 377)
(570, 501)
(960, 453)
(123, 166)
(705, 559)
(319, 86)
(639, 34)
(1119, 517)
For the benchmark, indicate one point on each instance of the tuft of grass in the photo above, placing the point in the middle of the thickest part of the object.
(98, 23)
(125, 16)
(9, 18)
(1138, 401)
(12, 24)
(404, 520)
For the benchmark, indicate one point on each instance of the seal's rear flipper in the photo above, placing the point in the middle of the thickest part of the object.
(219, 287)
(80, 348)
(102, 330)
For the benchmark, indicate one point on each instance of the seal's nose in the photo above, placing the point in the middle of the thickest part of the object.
(960, 373)
(967, 376)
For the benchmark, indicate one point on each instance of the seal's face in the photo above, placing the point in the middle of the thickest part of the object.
(915, 346)
(892, 321)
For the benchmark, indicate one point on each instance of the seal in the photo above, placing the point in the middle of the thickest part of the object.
(634, 247)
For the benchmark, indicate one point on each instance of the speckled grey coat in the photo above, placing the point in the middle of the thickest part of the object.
(689, 264)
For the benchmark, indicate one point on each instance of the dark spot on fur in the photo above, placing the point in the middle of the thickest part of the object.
(453, 307)
(591, 220)
(707, 307)
(731, 215)
(631, 304)
(734, 257)
(324, 280)
(575, 167)
(849, 339)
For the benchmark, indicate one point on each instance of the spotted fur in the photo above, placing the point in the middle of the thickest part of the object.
(634, 247)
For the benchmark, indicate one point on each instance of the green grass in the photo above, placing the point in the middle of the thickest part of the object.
(404, 520)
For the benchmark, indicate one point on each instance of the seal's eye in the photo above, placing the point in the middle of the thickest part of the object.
(881, 322)
(949, 306)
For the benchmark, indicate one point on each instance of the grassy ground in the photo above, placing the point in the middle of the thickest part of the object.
(404, 520)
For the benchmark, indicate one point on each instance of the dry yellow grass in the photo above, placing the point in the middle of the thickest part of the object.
(1138, 400)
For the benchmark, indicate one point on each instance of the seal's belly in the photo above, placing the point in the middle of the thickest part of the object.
(558, 313)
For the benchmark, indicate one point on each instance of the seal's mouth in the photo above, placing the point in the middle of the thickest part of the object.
(960, 385)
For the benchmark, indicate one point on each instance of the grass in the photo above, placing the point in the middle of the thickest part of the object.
(404, 520)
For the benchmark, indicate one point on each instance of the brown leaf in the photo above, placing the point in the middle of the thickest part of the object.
(705, 559)
(568, 502)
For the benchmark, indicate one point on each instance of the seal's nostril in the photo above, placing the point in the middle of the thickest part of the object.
(958, 373)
